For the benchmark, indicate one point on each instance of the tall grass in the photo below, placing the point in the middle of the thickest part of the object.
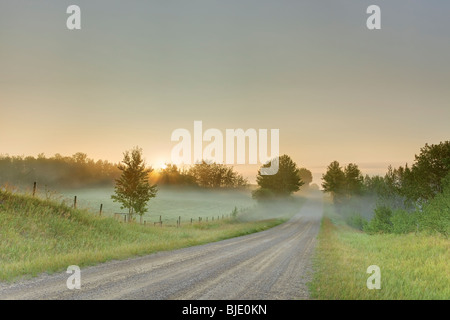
(39, 236)
(413, 266)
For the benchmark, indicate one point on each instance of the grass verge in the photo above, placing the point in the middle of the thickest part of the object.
(39, 236)
(413, 266)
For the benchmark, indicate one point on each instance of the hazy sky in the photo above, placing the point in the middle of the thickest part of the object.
(137, 70)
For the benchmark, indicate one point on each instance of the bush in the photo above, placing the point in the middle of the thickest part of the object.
(404, 222)
(263, 194)
(356, 221)
(381, 222)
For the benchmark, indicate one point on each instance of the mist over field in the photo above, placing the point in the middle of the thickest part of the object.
(172, 203)
(186, 203)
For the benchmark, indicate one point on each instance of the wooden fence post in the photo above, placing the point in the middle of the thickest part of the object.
(34, 189)
(101, 208)
(75, 202)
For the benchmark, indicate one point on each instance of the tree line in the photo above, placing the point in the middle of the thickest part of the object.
(408, 198)
(57, 171)
(204, 175)
(79, 170)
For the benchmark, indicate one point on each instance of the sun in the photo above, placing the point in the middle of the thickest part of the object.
(160, 166)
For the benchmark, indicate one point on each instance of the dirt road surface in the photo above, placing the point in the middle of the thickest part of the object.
(272, 264)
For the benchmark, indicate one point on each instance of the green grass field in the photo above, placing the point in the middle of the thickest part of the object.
(413, 266)
(39, 236)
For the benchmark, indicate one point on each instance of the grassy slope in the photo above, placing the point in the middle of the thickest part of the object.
(412, 266)
(41, 236)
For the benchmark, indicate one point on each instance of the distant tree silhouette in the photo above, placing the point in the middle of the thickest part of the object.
(57, 171)
(172, 175)
(343, 183)
(334, 181)
(213, 175)
(354, 180)
(286, 181)
(306, 176)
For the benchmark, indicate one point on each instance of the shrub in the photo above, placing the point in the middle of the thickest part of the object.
(356, 221)
(381, 222)
(263, 194)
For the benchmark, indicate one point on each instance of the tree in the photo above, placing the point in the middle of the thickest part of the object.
(286, 181)
(428, 171)
(133, 190)
(213, 175)
(306, 176)
(424, 180)
(343, 183)
(353, 180)
(334, 181)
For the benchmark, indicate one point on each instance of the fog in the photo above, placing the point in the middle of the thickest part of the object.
(356, 206)
(308, 204)
(171, 203)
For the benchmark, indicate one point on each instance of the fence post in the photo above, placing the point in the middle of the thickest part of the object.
(101, 208)
(75, 202)
(125, 218)
(191, 220)
(34, 189)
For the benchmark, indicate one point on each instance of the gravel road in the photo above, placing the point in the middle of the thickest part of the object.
(272, 264)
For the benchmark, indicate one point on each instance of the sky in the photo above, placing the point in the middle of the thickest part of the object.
(138, 70)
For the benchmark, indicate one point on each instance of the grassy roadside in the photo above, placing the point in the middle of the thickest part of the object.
(39, 236)
(412, 266)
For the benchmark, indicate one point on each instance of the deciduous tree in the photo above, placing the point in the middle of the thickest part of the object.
(133, 190)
